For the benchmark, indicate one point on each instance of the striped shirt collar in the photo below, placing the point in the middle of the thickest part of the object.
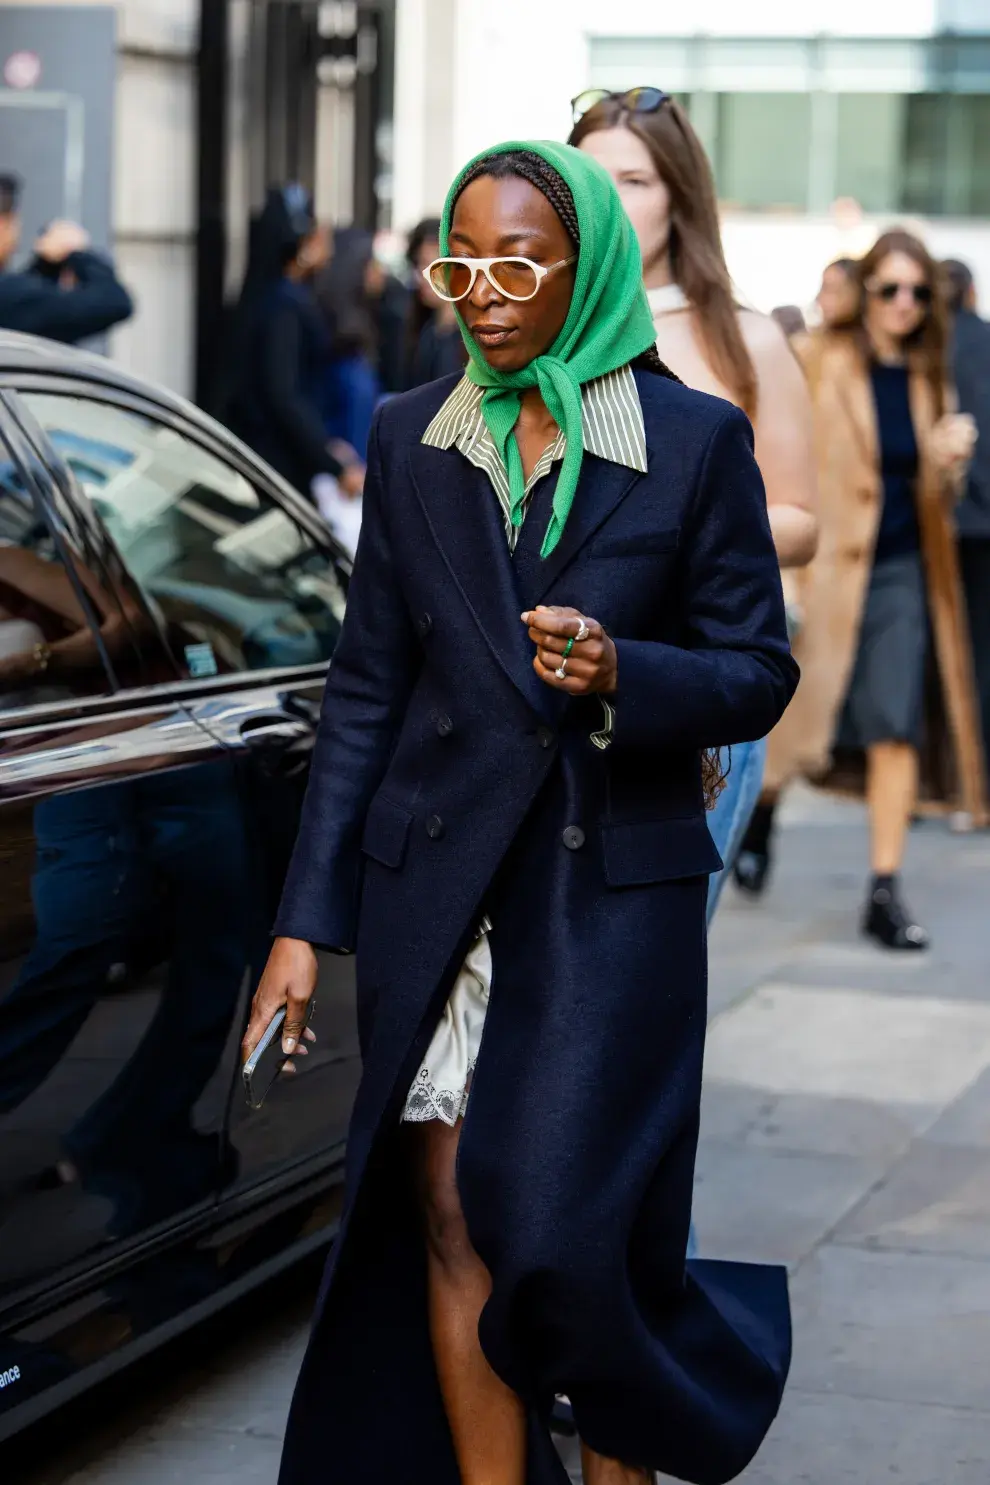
(612, 422)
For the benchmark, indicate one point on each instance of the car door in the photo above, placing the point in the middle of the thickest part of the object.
(121, 848)
(248, 594)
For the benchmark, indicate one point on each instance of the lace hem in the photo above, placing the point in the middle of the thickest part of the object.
(426, 1102)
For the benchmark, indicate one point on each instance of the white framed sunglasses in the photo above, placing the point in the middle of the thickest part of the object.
(517, 278)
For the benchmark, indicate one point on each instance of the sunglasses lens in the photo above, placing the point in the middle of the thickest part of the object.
(450, 279)
(515, 278)
(645, 100)
(920, 293)
(587, 100)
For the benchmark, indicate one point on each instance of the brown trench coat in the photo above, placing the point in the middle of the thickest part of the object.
(833, 590)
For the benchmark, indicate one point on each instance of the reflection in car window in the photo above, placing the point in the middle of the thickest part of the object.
(236, 582)
(48, 650)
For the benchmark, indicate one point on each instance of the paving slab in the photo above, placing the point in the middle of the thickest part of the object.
(804, 1122)
(935, 1200)
(181, 1458)
(916, 1054)
(905, 1327)
(824, 1439)
(966, 1121)
(768, 1206)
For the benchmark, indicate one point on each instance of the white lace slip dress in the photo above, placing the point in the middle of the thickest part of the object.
(440, 1088)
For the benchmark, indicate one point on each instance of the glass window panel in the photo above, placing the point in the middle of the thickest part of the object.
(967, 164)
(924, 153)
(870, 130)
(236, 582)
(762, 153)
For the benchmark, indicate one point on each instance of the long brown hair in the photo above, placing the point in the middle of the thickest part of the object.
(926, 347)
(696, 256)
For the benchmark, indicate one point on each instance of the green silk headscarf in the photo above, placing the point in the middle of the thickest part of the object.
(608, 325)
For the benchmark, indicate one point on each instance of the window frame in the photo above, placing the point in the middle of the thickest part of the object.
(59, 502)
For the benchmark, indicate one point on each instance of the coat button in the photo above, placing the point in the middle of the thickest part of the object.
(444, 725)
(545, 737)
(435, 827)
(424, 624)
(573, 837)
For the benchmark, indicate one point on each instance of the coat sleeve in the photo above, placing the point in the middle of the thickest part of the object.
(371, 676)
(731, 677)
(36, 305)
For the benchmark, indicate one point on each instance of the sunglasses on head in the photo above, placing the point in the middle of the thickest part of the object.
(636, 100)
(920, 293)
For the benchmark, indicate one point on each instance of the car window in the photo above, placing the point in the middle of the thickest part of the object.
(236, 582)
(49, 649)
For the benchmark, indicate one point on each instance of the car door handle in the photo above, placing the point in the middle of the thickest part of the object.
(265, 732)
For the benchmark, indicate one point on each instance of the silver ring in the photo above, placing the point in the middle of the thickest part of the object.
(582, 633)
(561, 671)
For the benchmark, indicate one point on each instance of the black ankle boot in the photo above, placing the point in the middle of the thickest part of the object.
(751, 871)
(887, 919)
(752, 866)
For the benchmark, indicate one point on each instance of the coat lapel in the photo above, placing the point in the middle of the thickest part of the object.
(854, 389)
(462, 513)
(602, 486)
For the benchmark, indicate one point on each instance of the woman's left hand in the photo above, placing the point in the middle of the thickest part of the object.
(592, 664)
(953, 439)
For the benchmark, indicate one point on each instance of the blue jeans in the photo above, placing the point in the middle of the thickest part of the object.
(727, 823)
(733, 811)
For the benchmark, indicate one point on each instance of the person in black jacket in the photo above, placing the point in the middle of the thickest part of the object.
(971, 369)
(279, 348)
(434, 346)
(67, 292)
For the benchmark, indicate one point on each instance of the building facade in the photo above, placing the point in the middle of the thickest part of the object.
(824, 121)
(214, 100)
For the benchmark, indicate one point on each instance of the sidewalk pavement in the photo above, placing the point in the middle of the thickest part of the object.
(846, 1133)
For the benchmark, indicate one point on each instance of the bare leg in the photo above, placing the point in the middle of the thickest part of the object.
(891, 792)
(486, 1418)
(598, 1470)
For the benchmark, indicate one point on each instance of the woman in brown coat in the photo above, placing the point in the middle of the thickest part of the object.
(884, 632)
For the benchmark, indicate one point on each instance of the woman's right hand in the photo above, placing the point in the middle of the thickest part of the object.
(289, 980)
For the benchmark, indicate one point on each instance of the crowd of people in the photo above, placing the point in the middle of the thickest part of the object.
(321, 333)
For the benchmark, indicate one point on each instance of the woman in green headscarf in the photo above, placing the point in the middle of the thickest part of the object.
(565, 598)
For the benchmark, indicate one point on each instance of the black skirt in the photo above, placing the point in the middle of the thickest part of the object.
(885, 700)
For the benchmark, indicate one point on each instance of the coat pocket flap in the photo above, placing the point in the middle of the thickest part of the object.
(645, 851)
(386, 831)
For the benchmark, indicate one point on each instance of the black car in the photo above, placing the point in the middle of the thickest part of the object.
(167, 610)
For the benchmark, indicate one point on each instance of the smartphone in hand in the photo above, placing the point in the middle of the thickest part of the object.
(265, 1063)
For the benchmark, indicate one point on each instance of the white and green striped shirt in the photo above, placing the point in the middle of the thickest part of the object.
(611, 419)
(613, 428)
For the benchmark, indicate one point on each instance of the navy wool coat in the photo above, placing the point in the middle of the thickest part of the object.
(449, 781)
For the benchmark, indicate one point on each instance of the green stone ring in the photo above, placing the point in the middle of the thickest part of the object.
(568, 647)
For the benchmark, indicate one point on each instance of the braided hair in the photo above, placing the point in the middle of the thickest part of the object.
(541, 174)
